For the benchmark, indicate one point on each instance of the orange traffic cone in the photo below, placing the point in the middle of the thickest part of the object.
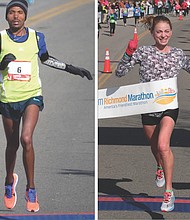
(107, 68)
(135, 38)
(180, 15)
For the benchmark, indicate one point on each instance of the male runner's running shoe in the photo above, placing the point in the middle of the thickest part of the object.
(10, 197)
(168, 202)
(32, 204)
(160, 180)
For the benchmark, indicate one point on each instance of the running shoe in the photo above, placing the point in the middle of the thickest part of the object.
(160, 180)
(32, 204)
(168, 202)
(10, 197)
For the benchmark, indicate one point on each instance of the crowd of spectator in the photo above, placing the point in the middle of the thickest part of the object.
(121, 7)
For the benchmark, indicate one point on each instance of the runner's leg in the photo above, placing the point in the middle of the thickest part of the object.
(30, 119)
(11, 129)
(152, 132)
(166, 128)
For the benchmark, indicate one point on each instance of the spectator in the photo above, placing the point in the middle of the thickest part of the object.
(142, 7)
(160, 7)
(137, 13)
(184, 7)
(166, 7)
(113, 21)
(125, 14)
(177, 8)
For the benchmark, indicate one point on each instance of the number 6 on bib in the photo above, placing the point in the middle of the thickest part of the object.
(19, 70)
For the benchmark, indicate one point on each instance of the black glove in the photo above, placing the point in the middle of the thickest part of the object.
(78, 71)
(6, 60)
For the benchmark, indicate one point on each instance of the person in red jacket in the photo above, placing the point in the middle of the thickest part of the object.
(184, 7)
(177, 8)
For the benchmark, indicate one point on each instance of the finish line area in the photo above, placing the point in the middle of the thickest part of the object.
(66, 216)
(139, 203)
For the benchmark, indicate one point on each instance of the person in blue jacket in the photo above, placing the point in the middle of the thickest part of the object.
(125, 14)
(137, 13)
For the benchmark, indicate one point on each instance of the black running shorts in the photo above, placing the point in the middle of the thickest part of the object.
(155, 118)
(15, 110)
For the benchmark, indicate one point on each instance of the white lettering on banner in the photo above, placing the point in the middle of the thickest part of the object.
(19, 70)
(138, 98)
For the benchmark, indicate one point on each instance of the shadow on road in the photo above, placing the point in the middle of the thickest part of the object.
(76, 172)
(109, 187)
(135, 137)
(181, 186)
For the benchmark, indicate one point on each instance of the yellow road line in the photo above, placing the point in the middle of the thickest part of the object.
(56, 11)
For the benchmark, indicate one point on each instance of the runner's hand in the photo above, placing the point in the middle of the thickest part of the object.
(6, 60)
(132, 46)
(78, 71)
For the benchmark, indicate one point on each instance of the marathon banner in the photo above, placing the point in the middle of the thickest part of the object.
(138, 98)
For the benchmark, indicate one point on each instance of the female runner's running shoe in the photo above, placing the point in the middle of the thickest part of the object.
(168, 202)
(160, 180)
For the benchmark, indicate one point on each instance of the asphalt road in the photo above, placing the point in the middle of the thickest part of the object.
(64, 137)
(126, 165)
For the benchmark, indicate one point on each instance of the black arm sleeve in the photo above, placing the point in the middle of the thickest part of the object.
(52, 62)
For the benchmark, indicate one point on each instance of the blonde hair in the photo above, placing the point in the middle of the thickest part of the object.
(151, 21)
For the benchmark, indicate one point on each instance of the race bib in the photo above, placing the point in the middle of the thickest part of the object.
(19, 70)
